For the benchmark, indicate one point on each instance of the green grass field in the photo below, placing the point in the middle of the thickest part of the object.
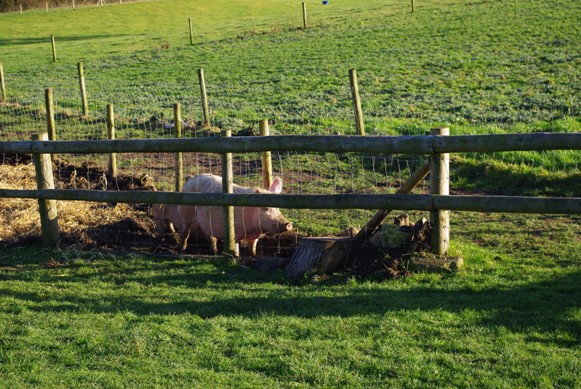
(511, 318)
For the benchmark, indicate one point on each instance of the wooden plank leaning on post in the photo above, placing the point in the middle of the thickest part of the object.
(440, 185)
(206, 112)
(230, 246)
(179, 162)
(266, 157)
(111, 136)
(356, 102)
(373, 223)
(47, 208)
(84, 101)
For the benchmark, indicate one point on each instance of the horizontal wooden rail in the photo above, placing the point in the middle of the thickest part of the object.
(509, 204)
(426, 144)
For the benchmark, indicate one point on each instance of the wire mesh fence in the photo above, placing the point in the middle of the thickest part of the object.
(145, 109)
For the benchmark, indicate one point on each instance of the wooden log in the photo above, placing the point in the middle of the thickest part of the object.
(111, 136)
(84, 100)
(413, 145)
(46, 207)
(191, 32)
(179, 162)
(266, 157)
(3, 97)
(205, 110)
(502, 204)
(230, 247)
(319, 255)
(440, 185)
(50, 123)
(53, 44)
(356, 102)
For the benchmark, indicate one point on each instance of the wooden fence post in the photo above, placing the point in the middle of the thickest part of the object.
(206, 122)
(191, 32)
(53, 48)
(2, 85)
(356, 102)
(50, 124)
(179, 163)
(413, 8)
(304, 15)
(440, 185)
(84, 100)
(111, 136)
(47, 208)
(230, 247)
(266, 157)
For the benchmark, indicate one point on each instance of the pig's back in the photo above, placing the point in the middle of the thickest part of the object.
(209, 183)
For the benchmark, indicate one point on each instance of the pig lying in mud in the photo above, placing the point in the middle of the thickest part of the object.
(250, 222)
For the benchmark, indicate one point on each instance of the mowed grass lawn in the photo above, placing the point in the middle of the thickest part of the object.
(511, 318)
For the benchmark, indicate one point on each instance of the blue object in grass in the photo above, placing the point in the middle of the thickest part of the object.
(325, 2)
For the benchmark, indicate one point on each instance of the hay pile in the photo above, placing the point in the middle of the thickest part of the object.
(78, 220)
(18, 217)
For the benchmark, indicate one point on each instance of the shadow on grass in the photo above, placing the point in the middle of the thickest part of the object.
(544, 305)
(37, 40)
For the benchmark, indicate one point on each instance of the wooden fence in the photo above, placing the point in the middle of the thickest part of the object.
(432, 145)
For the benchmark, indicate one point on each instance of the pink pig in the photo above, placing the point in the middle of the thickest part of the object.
(250, 222)
(166, 215)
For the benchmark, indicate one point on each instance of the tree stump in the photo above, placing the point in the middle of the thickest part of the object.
(319, 255)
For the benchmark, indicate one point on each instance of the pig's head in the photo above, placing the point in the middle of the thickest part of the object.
(270, 219)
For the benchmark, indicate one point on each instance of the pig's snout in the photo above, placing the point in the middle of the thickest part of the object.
(286, 226)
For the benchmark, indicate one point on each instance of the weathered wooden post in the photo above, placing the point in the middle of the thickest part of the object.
(356, 102)
(111, 136)
(74, 4)
(266, 157)
(47, 208)
(413, 8)
(53, 49)
(50, 124)
(206, 122)
(191, 32)
(440, 185)
(84, 100)
(304, 15)
(179, 162)
(230, 247)
(2, 85)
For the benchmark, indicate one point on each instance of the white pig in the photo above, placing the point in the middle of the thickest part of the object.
(250, 222)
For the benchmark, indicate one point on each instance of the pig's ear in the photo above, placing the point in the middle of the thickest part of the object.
(276, 186)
